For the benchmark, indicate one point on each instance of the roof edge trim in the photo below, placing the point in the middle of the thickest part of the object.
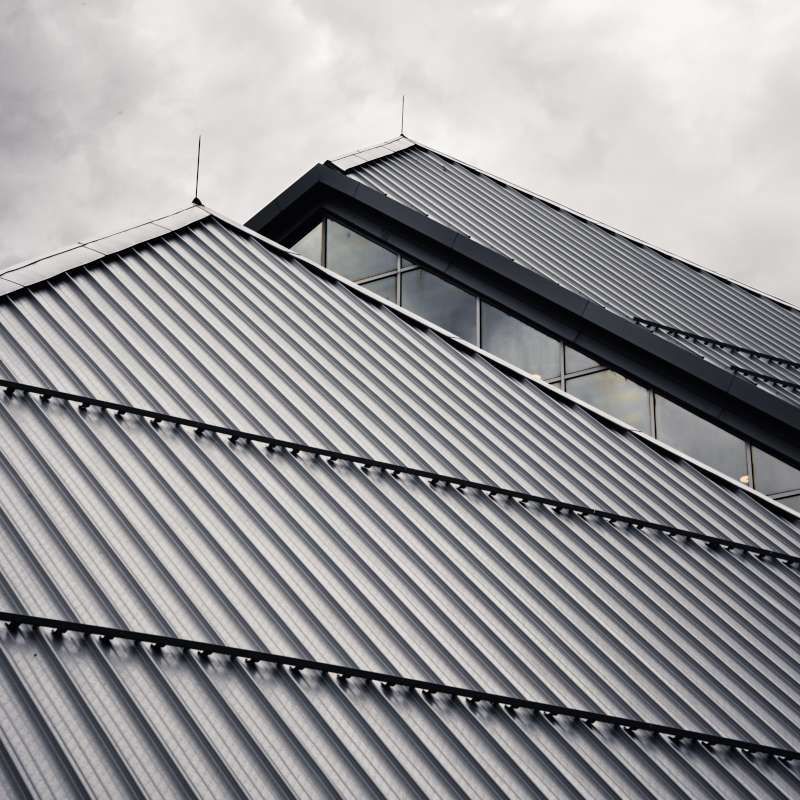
(32, 271)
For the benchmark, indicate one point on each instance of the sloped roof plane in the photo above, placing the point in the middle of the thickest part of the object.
(151, 485)
(616, 270)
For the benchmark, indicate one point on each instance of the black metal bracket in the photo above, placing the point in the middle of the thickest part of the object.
(252, 657)
(158, 417)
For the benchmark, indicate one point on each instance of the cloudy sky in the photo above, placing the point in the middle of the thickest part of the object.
(675, 121)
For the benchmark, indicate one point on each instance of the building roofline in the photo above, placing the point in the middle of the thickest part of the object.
(327, 178)
(181, 219)
(32, 271)
(408, 143)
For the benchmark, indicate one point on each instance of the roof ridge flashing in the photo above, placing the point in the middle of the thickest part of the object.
(32, 271)
(366, 155)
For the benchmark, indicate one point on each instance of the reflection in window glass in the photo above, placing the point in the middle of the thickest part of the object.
(792, 502)
(355, 257)
(772, 475)
(518, 343)
(614, 394)
(575, 361)
(310, 245)
(440, 302)
(385, 287)
(700, 439)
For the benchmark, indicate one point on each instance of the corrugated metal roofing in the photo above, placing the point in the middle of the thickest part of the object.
(117, 522)
(122, 722)
(210, 323)
(598, 263)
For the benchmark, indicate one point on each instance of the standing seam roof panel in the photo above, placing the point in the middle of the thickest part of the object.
(582, 255)
(312, 361)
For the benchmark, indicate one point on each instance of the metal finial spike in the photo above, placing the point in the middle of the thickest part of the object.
(196, 199)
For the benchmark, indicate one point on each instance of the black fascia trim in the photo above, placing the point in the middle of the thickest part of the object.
(717, 394)
(366, 463)
(252, 658)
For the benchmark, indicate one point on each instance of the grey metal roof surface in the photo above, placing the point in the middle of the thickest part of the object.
(295, 556)
(117, 522)
(598, 263)
(212, 324)
(84, 719)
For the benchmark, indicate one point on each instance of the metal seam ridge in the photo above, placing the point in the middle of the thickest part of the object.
(252, 657)
(760, 377)
(367, 463)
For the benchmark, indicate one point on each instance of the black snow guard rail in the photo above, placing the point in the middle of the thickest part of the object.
(252, 657)
(366, 463)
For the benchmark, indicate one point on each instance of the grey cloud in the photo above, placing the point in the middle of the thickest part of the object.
(673, 121)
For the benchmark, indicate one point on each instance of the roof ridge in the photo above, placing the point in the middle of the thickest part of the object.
(367, 155)
(663, 252)
(31, 271)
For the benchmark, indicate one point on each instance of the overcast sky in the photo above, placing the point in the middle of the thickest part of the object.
(676, 122)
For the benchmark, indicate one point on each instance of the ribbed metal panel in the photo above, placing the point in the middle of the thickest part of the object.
(153, 529)
(610, 269)
(209, 323)
(83, 719)
(118, 522)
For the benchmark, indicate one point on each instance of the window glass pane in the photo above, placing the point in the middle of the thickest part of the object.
(614, 394)
(310, 245)
(575, 361)
(518, 343)
(355, 257)
(792, 502)
(700, 439)
(772, 475)
(385, 287)
(440, 302)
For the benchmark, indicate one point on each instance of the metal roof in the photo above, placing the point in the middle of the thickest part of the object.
(116, 521)
(623, 274)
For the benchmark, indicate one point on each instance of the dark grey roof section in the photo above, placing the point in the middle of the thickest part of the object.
(620, 273)
(116, 521)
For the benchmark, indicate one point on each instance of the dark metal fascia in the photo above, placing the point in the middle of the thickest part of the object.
(782, 361)
(429, 688)
(328, 179)
(761, 377)
(156, 418)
